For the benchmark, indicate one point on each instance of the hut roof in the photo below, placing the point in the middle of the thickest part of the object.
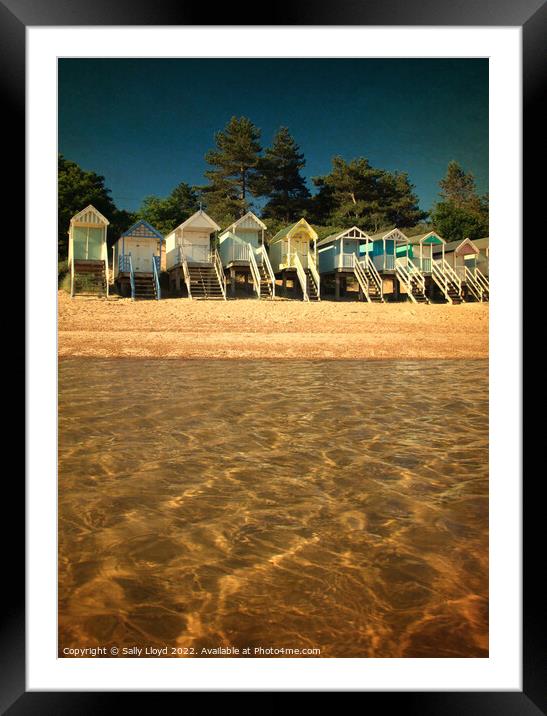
(482, 243)
(249, 217)
(432, 237)
(88, 215)
(289, 231)
(459, 247)
(195, 218)
(386, 233)
(143, 229)
(343, 235)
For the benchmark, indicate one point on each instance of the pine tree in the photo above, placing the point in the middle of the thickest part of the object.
(399, 203)
(458, 187)
(233, 175)
(461, 213)
(357, 193)
(280, 179)
(350, 190)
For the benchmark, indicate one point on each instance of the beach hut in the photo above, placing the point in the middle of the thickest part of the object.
(293, 256)
(426, 251)
(391, 255)
(483, 259)
(191, 254)
(88, 253)
(137, 261)
(242, 251)
(340, 257)
(462, 257)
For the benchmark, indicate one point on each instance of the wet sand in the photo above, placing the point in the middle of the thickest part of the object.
(248, 328)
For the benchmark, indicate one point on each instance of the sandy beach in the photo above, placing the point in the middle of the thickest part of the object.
(248, 328)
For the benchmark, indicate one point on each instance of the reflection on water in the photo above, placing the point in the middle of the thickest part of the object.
(338, 505)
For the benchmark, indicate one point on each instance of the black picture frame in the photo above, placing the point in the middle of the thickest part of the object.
(15, 16)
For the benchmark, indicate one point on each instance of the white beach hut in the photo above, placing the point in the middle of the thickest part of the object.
(191, 254)
(137, 261)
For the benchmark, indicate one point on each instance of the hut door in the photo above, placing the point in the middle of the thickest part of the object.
(141, 258)
(301, 245)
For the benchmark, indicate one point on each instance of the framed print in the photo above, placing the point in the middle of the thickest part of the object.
(273, 369)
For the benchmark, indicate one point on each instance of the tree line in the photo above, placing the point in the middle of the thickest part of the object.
(242, 175)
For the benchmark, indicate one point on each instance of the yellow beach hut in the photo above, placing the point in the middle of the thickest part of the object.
(88, 253)
(293, 256)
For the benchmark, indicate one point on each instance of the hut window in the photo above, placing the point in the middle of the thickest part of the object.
(88, 242)
(95, 243)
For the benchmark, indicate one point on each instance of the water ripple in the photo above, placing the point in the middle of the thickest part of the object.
(339, 505)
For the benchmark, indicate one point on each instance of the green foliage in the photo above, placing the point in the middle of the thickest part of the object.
(167, 213)
(63, 276)
(62, 268)
(233, 174)
(456, 224)
(424, 227)
(279, 179)
(76, 189)
(64, 282)
(461, 213)
(357, 193)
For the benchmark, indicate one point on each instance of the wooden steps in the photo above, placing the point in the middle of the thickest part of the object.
(447, 281)
(374, 293)
(413, 280)
(145, 287)
(89, 278)
(266, 289)
(419, 296)
(311, 286)
(204, 282)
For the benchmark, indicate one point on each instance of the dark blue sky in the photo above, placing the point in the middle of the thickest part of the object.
(146, 124)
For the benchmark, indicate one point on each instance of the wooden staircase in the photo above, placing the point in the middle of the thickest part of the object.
(454, 294)
(89, 278)
(484, 283)
(308, 277)
(412, 279)
(368, 279)
(311, 287)
(266, 288)
(444, 276)
(145, 287)
(474, 290)
(203, 282)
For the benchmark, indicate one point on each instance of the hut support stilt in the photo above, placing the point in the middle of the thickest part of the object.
(232, 282)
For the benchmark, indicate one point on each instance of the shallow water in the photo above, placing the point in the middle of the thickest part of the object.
(340, 506)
